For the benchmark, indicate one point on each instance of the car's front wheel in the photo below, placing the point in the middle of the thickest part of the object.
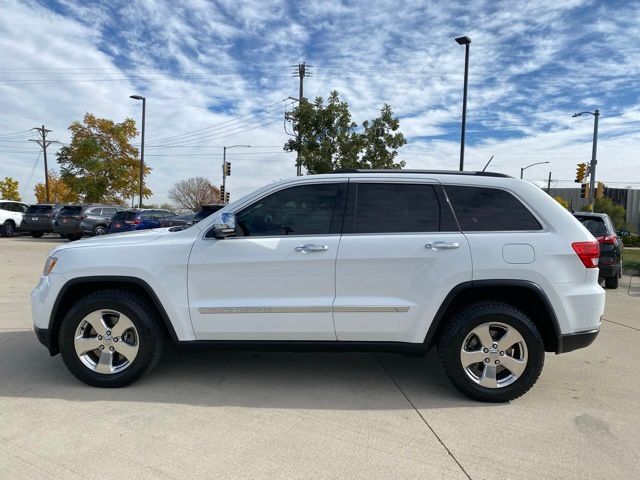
(492, 352)
(36, 234)
(110, 338)
(100, 230)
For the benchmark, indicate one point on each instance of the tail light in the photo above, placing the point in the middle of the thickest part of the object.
(607, 240)
(136, 221)
(588, 252)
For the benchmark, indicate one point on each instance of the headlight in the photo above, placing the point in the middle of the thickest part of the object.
(49, 264)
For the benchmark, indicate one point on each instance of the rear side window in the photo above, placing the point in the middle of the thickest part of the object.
(396, 208)
(125, 215)
(481, 209)
(108, 212)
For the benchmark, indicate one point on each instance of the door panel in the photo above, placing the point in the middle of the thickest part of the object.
(399, 257)
(389, 287)
(262, 288)
(276, 279)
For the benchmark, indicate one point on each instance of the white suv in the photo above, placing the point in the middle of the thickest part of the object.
(10, 216)
(489, 268)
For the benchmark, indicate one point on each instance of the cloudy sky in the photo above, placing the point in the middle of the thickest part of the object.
(216, 73)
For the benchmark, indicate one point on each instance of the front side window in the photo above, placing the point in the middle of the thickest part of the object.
(396, 208)
(301, 210)
(483, 209)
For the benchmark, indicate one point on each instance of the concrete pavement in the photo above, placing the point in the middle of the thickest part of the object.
(280, 415)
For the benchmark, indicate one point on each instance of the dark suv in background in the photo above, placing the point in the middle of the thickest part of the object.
(74, 221)
(38, 219)
(129, 220)
(205, 211)
(610, 261)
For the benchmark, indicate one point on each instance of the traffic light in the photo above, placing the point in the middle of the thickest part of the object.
(600, 190)
(584, 190)
(222, 192)
(226, 197)
(581, 172)
(227, 169)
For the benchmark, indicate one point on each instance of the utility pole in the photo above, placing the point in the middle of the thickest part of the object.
(594, 150)
(300, 72)
(549, 184)
(466, 41)
(592, 170)
(44, 143)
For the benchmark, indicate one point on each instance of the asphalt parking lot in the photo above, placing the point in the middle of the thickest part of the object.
(280, 415)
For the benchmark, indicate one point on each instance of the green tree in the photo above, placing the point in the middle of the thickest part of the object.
(100, 163)
(617, 213)
(330, 139)
(9, 189)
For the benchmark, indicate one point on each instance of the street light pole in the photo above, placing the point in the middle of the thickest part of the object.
(144, 108)
(466, 41)
(522, 169)
(594, 150)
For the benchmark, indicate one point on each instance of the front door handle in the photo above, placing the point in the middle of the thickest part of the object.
(311, 247)
(442, 245)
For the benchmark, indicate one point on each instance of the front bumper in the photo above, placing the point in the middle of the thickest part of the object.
(44, 337)
(574, 341)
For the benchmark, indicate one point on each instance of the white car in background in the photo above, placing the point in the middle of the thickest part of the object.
(10, 216)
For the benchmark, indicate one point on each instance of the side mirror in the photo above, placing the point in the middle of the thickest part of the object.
(224, 227)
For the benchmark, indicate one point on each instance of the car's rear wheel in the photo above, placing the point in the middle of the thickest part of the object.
(492, 352)
(110, 338)
(100, 230)
(611, 282)
(8, 229)
(36, 234)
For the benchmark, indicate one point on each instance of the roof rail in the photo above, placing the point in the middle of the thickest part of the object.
(432, 172)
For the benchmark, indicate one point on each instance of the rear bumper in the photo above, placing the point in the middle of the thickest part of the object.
(574, 341)
(609, 270)
(36, 227)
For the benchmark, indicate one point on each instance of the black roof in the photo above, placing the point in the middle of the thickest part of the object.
(431, 172)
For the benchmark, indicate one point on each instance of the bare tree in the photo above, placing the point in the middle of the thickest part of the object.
(194, 192)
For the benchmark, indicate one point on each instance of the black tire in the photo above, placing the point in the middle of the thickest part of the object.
(611, 282)
(63, 235)
(451, 343)
(150, 336)
(100, 230)
(36, 234)
(8, 229)
(72, 237)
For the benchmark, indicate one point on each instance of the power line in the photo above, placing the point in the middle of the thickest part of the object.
(44, 143)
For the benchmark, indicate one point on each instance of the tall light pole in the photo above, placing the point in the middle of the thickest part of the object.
(144, 107)
(594, 149)
(522, 169)
(226, 171)
(466, 41)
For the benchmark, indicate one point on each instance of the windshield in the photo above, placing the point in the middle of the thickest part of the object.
(33, 209)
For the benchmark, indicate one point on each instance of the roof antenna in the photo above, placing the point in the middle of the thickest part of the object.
(485, 167)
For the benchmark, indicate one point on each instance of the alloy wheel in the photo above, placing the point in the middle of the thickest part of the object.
(494, 355)
(106, 341)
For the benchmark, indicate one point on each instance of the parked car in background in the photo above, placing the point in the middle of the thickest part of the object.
(610, 261)
(185, 217)
(10, 216)
(128, 220)
(205, 211)
(38, 219)
(74, 221)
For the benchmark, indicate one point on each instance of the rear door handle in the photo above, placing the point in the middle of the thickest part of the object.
(311, 247)
(442, 245)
